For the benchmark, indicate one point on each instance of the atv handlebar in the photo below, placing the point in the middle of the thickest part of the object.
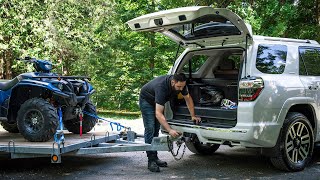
(27, 59)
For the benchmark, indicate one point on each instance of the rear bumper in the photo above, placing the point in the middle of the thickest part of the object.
(254, 127)
(246, 135)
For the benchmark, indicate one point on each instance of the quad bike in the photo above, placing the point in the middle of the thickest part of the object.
(29, 102)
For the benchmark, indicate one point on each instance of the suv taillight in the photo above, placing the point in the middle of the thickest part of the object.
(250, 89)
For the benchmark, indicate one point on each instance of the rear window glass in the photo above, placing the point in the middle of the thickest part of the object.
(236, 60)
(309, 61)
(206, 26)
(271, 59)
(196, 62)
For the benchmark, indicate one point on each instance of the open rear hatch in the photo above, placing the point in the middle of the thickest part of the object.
(199, 25)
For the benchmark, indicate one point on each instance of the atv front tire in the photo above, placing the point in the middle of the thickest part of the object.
(11, 128)
(37, 120)
(88, 122)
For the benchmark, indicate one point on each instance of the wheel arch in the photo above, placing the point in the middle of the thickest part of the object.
(307, 110)
(22, 93)
(303, 105)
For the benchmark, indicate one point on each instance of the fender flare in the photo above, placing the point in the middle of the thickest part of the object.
(295, 101)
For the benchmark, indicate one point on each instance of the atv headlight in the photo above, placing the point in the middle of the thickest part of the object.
(48, 66)
(59, 86)
(85, 87)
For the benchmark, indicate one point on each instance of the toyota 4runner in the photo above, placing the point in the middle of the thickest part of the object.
(250, 91)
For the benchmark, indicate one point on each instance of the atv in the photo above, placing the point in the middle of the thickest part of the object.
(29, 102)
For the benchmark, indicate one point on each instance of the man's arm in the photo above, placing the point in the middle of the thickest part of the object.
(190, 105)
(162, 120)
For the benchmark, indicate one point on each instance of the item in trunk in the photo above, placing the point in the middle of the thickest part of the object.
(228, 104)
(210, 96)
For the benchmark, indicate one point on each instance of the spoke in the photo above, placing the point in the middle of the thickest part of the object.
(300, 129)
(289, 146)
(33, 115)
(303, 153)
(28, 121)
(305, 139)
(292, 133)
(294, 157)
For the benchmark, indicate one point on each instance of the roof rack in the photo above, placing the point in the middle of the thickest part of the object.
(291, 40)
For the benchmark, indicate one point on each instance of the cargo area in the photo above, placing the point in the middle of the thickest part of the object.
(213, 76)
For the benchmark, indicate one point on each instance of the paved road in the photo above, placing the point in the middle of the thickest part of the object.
(226, 163)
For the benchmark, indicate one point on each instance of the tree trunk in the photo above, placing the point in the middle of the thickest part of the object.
(8, 63)
(152, 58)
(1, 66)
(318, 11)
(152, 45)
(282, 2)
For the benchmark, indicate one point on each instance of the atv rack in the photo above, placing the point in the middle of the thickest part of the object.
(62, 77)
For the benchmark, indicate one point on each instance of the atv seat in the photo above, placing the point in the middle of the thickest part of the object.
(8, 84)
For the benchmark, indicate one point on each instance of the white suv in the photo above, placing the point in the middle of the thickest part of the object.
(251, 91)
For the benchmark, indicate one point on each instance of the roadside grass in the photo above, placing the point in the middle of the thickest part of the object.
(118, 115)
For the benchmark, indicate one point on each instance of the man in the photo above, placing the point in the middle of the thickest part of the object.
(153, 96)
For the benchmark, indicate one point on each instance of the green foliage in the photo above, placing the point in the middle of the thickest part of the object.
(91, 38)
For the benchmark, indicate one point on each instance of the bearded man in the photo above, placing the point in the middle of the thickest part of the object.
(153, 96)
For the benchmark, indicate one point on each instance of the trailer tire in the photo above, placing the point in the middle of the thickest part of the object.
(294, 147)
(88, 122)
(10, 127)
(37, 120)
(197, 147)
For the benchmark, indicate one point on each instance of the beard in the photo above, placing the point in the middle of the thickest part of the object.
(175, 91)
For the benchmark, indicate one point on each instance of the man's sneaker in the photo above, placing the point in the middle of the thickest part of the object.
(153, 167)
(161, 163)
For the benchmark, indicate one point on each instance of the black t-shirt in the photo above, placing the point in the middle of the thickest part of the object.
(159, 90)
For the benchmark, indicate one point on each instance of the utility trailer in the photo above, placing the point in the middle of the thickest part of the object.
(92, 143)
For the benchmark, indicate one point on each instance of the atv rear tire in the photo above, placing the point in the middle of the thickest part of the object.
(88, 122)
(37, 120)
(197, 147)
(11, 128)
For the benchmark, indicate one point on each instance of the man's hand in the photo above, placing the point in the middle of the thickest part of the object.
(174, 133)
(196, 119)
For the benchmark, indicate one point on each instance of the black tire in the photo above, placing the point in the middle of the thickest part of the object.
(88, 122)
(197, 147)
(11, 128)
(295, 143)
(37, 120)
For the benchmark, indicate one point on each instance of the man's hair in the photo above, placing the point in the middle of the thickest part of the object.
(179, 77)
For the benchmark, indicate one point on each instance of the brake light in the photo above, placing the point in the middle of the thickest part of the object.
(250, 89)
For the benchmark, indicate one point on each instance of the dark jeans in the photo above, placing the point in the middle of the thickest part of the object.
(151, 125)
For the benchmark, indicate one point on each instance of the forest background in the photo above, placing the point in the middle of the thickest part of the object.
(90, 37)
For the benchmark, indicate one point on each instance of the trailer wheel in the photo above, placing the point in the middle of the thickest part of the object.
(88, 122)
(10, 127)
(295, 143)
(197, 147)
(37, 120)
